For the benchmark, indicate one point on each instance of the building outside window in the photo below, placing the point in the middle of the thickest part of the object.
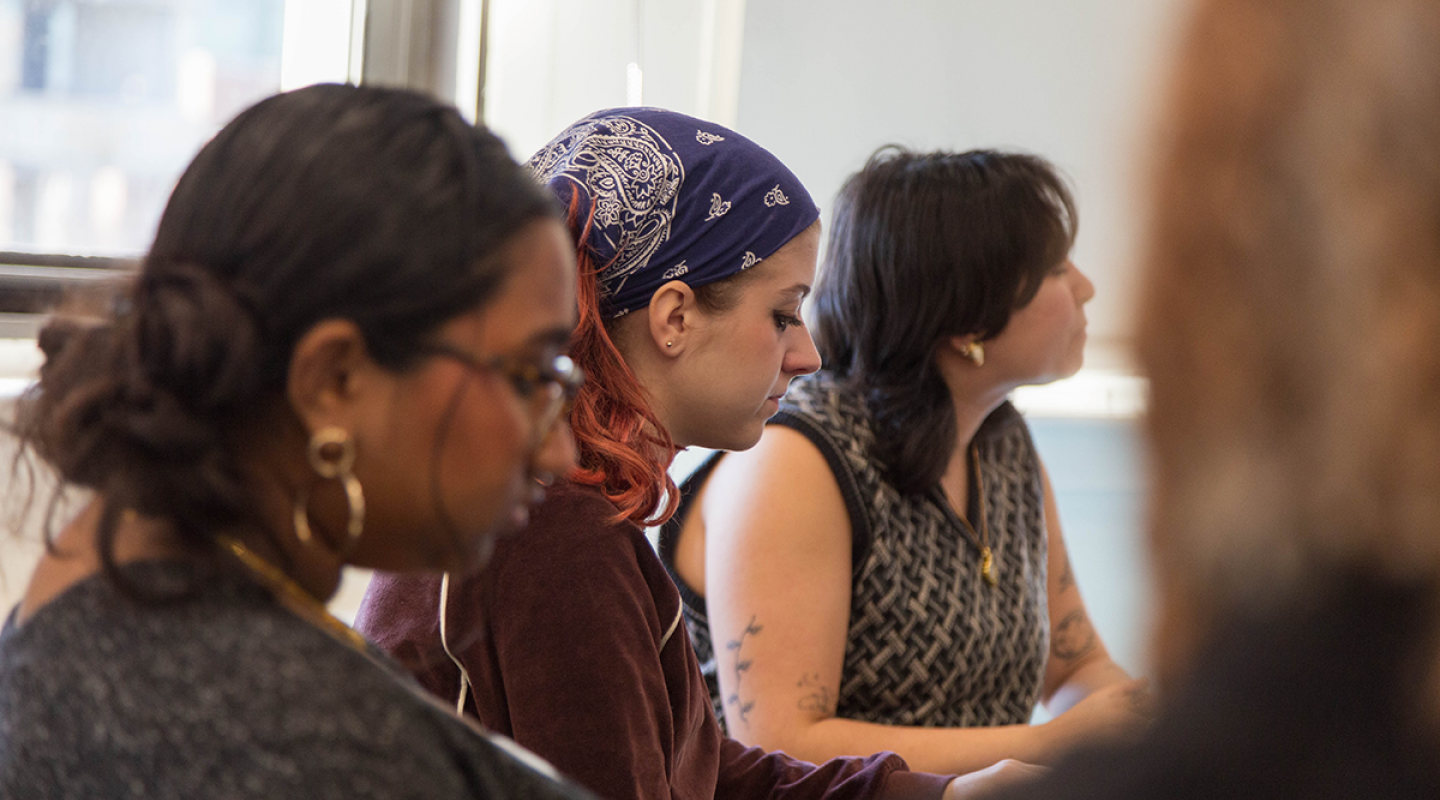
(103, 102)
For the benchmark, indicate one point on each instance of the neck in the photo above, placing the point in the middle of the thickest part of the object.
(973, 397)
(970, 414)
(271, 456)
(315, 566)
(661, 455)
(314, 571)
(650, 369)
(74, 554)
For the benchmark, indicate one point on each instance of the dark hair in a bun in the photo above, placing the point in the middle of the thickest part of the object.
(378, 206)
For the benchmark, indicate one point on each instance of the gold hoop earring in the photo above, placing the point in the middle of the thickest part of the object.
(331, 454)
(975, 352)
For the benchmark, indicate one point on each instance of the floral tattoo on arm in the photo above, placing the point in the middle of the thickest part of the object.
(818, 699)
(742, 665)
(1074, 637)
(1067, 578)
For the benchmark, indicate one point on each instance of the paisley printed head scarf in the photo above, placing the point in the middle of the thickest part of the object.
(673, 197)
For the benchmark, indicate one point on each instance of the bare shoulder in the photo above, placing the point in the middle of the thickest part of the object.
(784, 481)
(783, 454)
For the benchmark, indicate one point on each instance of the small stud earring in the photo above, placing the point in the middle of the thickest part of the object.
(975, 352)
(669, 344)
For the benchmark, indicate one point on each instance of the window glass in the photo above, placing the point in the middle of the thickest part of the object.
(104, 102)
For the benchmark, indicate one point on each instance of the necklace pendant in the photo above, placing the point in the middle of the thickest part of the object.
(987, 566)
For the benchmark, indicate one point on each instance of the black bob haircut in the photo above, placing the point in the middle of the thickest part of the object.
(922, 247)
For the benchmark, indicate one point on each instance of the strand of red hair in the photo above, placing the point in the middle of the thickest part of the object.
(624, 449)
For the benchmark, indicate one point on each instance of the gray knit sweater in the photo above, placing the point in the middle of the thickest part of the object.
(225, 695)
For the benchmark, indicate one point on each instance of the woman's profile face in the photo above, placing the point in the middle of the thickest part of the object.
(745, 356)
(1045, 339)
(453, 459)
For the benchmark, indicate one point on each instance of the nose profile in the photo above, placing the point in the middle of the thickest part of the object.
(802, 358)
(1085, 289)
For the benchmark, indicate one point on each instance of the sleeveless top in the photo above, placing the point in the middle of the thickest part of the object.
(930, 642)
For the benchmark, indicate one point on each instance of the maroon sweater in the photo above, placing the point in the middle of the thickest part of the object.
(584, 664)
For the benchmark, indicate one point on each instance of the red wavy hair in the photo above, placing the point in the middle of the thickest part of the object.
(624, 449)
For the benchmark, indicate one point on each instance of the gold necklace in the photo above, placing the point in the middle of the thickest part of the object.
(982, 541)
(313, 611)
(293, 596)
(284, 587)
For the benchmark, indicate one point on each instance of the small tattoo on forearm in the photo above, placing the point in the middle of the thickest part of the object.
(1074, 637)
(742, 665)
(1067, 577)
(743, 709)
(819, 699)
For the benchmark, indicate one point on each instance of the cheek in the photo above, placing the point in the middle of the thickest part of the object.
(432, 420)
(1050, 320)
(728, 385)
(765, 348)
(759, 356)
(483, 445)
(453, 459)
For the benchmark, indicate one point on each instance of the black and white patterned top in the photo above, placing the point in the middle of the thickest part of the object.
(930, 642)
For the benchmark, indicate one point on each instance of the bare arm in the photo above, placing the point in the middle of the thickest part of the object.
(1078, 663)
(1089, 694)
(777, 576)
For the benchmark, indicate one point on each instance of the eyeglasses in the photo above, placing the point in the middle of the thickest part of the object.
(548, 386)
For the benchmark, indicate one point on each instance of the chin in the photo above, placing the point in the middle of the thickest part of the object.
(748, 435)
(1065, 369)
(741, 437)
(479, 555)
(472, 557)
(746, 443)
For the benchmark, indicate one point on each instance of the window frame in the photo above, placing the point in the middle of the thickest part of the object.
(416, 44)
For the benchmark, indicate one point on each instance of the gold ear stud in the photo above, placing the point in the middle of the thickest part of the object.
(975, 352)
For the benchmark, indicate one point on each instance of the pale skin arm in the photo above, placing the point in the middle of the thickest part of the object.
(777, 582)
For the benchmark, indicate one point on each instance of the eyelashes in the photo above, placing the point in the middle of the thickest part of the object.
(784, 321)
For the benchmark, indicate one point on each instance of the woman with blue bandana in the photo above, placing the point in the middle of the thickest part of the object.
(696, 248)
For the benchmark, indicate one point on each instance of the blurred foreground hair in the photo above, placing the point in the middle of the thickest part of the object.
(1291, 311)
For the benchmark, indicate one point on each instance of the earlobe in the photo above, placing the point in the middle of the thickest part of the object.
(671, 316)
(969, 348)
(326, 373)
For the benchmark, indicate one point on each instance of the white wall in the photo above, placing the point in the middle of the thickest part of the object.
(822, 83)
(551, 62)
(825, 82)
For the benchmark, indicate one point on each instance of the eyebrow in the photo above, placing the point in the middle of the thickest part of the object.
(802, 288)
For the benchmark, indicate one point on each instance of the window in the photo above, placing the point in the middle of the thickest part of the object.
(105, 101)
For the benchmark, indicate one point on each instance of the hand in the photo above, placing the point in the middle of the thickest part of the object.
(1121, 711)
(993, 778)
